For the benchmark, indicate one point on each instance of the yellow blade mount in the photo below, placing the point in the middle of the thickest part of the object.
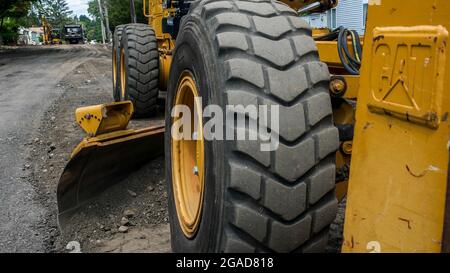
(107, 156)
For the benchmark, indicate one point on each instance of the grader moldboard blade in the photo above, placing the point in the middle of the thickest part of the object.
(102, 160)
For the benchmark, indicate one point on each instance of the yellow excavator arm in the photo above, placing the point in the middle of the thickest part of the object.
(47, 28)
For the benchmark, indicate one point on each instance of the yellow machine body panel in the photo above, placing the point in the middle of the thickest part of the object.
(155, 13)
(104, 118)
(400, 158)
(323, 5)
(329, 54)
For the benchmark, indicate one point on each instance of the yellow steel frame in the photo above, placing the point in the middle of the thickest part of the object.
(154, 11)
(399, 157)
(398, 177)
(104, 118)
(329, 54)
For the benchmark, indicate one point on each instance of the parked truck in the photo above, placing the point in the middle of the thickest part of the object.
(74, 34)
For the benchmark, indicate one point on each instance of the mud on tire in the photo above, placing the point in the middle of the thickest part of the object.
(141, 63)
(261, 53)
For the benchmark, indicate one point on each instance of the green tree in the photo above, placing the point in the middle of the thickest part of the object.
(13, 9)
(118, 11)
(57, 12)
(91, 27)
(12, 14)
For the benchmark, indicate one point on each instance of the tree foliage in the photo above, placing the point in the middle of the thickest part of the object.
(12, 13)
(56, 12)
(118, 11)
(91, 27)
(14, 9)
(27, 13)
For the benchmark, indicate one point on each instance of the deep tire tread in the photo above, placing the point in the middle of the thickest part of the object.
(143, 64)
(247, 208)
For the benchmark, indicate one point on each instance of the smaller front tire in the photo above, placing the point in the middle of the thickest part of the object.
(252, 200)
(139, 68)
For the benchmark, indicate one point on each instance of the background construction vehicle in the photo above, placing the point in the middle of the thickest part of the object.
(240, 199)
(56, 36)
(47, 31)
(74, 34)
(51, 35)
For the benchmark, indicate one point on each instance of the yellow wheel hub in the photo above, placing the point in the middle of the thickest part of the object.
(123, 78)
(188, 161)
(114, 67)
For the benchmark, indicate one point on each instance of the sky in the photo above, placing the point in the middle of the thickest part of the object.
(78, 6)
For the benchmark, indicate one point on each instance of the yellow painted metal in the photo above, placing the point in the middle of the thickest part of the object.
(117, 137)
(47, 31)
(188, 160)
(114, 56)
(412, 80)
(165, 60)
(154, 11)
(398, 177)
(123, 78)
(317, 32)
(104, 118)
(328, 52)
(352, 82)
(99, 162)
(297, 4)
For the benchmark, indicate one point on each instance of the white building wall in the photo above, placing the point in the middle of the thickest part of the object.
(349, 14)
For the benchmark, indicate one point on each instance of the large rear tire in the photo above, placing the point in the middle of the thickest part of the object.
(255, 53)
(139, 76)
(116, 62)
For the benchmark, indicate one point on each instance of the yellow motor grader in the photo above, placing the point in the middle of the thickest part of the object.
(362, 117)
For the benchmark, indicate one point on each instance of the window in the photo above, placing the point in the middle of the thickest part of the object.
(332, 21)
(365, 6)
(329, 19)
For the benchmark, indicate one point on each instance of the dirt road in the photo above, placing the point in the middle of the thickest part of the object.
(28, 85)
(40, 88)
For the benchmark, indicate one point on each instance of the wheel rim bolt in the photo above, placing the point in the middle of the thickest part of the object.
(195, 170)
